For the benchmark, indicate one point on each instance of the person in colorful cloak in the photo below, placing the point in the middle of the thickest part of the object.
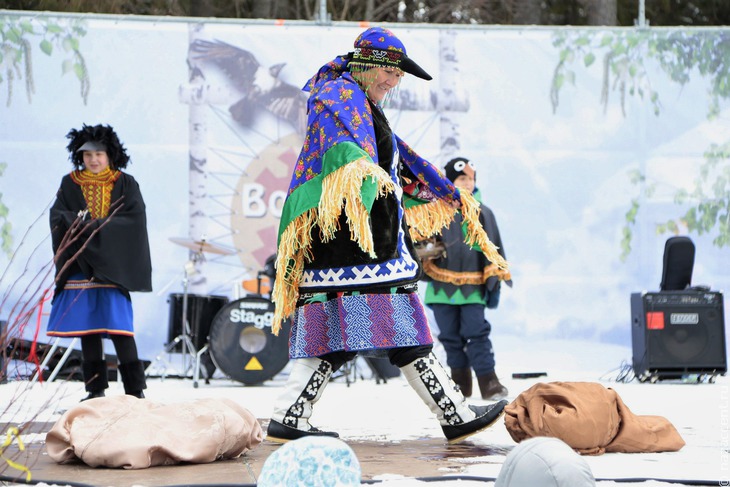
(101, 251)
(346, 269)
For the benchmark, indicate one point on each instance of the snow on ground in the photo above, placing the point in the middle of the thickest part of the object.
(393, 412)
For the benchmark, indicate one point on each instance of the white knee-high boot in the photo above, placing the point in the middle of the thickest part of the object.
(458, 419)
(290, 419)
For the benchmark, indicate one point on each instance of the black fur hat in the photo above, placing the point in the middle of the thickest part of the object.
(103, 136)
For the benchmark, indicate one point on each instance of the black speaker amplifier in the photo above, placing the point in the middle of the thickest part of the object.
(676, 333)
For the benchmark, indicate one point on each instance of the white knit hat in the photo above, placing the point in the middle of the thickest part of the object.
(545, 462)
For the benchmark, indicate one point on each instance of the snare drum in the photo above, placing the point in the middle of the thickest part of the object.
(242, 345)
(201, 311)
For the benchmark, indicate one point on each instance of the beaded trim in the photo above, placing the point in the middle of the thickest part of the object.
(97, 189)
(86, 284)
(379, 56)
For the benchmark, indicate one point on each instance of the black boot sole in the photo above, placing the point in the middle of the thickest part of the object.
(93, 395)
(460, 432)
(280, 433)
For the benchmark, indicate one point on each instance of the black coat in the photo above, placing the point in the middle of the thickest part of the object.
(459, 257)
(119, 253)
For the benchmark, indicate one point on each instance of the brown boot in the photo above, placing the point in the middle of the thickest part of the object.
(462, 378)
(490, 387)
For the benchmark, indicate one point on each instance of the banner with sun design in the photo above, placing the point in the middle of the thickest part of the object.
(591, 146)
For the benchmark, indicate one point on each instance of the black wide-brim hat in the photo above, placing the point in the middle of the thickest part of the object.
(380, 47)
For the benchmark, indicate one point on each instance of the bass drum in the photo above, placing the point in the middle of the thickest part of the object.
(201, 309)
(242, 345)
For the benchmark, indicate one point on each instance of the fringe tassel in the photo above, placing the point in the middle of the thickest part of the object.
(475, 234)
(343, 188)
(295, 242)
(427, 220)
(460, 278)
(293, 250)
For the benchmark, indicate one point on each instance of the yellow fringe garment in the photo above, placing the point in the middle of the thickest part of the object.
(429, 219)
(341, 189)
(475, 234)
(346, 182)
(461, 278)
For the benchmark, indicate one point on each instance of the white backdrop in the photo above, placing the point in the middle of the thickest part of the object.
(557, 180)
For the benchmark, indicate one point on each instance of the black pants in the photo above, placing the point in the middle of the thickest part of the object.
(92, 348)
(398, 356)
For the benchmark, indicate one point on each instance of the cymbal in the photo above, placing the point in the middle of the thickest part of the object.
(201, 246)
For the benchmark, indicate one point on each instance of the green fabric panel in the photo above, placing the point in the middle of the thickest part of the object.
(339, 155)
(302, 199)
(411, 201)
(368, 192)
(440, 297)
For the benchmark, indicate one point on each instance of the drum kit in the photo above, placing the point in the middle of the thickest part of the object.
(235, 336)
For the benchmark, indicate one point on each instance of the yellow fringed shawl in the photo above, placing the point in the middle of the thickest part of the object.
(341, 189)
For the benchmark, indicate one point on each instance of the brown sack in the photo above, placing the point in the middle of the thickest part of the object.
(582, 414)
(644, 433)
(589, 417)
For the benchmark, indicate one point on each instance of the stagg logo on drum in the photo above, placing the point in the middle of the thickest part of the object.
(256, 314)
(684, 318)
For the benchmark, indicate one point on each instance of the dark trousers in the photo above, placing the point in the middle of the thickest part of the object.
(464, 333)
(398, 356)
(92, 348)
(131, 368)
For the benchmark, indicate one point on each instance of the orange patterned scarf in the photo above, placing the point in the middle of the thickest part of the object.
(97, 189)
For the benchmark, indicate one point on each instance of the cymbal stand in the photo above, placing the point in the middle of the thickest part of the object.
(185, 337)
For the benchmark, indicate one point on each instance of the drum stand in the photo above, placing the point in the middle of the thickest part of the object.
(184, 338)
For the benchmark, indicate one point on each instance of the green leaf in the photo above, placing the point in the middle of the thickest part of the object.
(54, 29)
(13, 35)
(625, 243)
(67, 66)
(46, 46)
(79, 70)
(559, 81)
(631, 214)
(589, 59)
(26, 26)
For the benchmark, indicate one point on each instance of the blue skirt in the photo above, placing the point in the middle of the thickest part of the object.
(86, 308)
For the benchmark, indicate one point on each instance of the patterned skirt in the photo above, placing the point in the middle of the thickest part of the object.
(85, 308)
(365, 322)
